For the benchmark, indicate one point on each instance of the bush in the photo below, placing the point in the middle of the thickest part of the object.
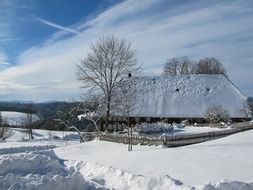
(216, 114)
(159, 127)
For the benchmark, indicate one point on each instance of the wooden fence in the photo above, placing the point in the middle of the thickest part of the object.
(174, 141)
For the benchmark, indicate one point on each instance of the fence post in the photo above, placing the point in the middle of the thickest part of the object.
(164, 141)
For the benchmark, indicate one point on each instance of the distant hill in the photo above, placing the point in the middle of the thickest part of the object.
(43, 110)
(16, 118)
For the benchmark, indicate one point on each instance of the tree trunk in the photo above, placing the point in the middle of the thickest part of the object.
(108, 107)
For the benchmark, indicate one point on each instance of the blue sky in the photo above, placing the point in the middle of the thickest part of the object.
(41, 41)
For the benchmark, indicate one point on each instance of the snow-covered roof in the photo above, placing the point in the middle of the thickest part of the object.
(187, 96)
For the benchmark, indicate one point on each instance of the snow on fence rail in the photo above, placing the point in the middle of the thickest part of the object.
(174, 141)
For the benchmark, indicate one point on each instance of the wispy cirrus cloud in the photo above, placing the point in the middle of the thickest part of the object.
(9, 39)
(7, 13)
(4, 30)
(8, 21)
(57, 26)
(158, 29)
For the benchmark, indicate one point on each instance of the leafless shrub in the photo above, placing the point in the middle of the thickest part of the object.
(245, 110)
(92, 109)
(4, 130)
(216, 114)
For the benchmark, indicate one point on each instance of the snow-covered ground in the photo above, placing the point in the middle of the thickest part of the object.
(16, 118)
(222, 164)
(227, 158)
(39, 170)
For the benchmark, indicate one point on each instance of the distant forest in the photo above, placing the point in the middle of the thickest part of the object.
(250, 101)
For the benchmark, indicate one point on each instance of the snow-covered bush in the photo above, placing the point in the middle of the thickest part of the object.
(180, 125)
(158, 127)
(216, 114)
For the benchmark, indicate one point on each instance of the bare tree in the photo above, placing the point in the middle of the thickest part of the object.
(170, 67)
(50, 126)
(177, 66)
(216, 114)
(185, 66)
(92, 109)
(1, 126)
(245, 110)
(108, 61)
(127, 101)
(29, 120)
(209, 66)
(66, 119)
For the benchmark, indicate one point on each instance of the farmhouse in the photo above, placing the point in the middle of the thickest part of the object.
(176, 98)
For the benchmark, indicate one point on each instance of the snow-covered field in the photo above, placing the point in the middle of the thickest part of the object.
(53, 163)
(213, 161)
(16, 118)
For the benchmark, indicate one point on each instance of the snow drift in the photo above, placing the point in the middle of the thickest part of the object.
(113, 178)
(105, 177)
(38, 170)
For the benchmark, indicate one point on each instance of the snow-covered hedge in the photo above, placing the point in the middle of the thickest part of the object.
(159, 127)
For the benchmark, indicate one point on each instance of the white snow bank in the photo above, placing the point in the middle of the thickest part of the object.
(40, 171)
(113, 178)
